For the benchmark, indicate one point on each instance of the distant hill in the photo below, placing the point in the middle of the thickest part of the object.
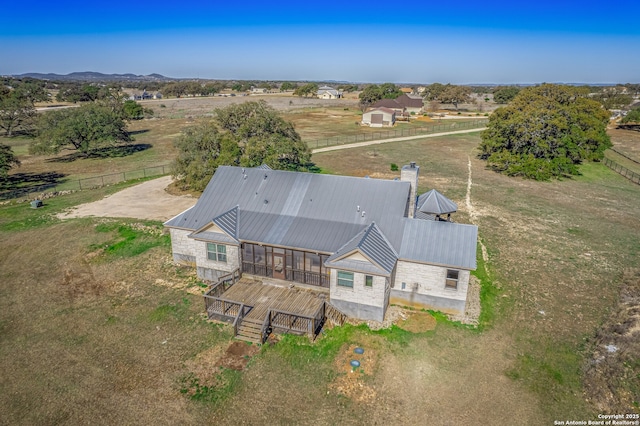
(96, 76)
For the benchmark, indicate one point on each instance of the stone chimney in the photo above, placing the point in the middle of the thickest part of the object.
(410, 174)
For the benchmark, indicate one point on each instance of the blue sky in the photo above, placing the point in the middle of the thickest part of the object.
(459, 42)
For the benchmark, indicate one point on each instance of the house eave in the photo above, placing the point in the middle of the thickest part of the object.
(442, 265)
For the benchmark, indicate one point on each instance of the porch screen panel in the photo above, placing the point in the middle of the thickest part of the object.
(298, 260)
(247, 252)
(259, 253)
(312, 263)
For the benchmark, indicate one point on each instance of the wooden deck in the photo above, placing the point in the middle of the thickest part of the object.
(265, 296)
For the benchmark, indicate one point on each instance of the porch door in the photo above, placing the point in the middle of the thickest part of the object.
(278, 264)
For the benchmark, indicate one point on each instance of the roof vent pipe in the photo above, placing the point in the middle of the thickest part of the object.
(412, 164)
(363, 213)
(357, 208)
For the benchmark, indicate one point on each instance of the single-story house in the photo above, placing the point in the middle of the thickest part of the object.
(403, 104)
(326, 92)
(144, 95)
(379, 117)
(371, 242)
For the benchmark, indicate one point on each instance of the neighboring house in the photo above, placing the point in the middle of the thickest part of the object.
(404, 104)
(368, 240)
(144, 95)
(379, 117)
(326, 92)
(258, 90)
(391, 104)
(411, 103)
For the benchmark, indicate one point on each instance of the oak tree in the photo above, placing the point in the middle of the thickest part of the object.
(85, 128)
(545, 132)
(247, 134)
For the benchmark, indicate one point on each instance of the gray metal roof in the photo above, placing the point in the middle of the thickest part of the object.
(358, 266)
(304, 210)
(372, 243)
(216, 237)
(440, 242)
(433, 202)
(322, 213)
(228, 222)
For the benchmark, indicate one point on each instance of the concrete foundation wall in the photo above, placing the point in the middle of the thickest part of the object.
(359, 311)
(425, 287)
(424, 301)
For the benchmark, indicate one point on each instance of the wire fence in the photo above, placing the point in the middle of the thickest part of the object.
(398, 133)
(624, 155)
(88, 183)
(629, 174)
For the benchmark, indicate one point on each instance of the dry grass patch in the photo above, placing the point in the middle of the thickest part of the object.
(417, 322)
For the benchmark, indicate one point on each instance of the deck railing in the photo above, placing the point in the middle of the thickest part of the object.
(257, 269)
(291, 322)
(242, 312)
(307, 277)
(216, 305)
(296, 275)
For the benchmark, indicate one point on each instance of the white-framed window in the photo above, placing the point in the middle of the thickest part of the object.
(345, 279)
(217, 252)
(368, 281)
(452, 279)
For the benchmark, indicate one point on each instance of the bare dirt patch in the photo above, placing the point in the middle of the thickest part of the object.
(148, 200)
(237, 355)
(350, 381)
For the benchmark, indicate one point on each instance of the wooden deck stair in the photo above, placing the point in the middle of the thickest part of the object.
(250, 330)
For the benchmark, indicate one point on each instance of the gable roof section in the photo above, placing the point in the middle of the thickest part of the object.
(381, 109)
(388, 103)
(300, 210)
(410, 101)
(439, 243)
(433, 202)
(222, 229)
(228, 222)
(372, 243)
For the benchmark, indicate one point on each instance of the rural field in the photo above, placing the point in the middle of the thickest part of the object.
(317, 121)
(97, 325)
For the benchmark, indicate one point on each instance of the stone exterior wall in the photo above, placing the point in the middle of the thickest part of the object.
(410, 174)
(212, 269)
(366, 303)
(425, 288)
(183, 248)
(190, 252)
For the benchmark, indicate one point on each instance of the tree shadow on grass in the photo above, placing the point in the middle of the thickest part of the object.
(19, 184)
(138, 132)
(633, 127)
(105, 152)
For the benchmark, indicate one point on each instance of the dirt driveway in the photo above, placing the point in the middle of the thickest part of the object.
(149, 200)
